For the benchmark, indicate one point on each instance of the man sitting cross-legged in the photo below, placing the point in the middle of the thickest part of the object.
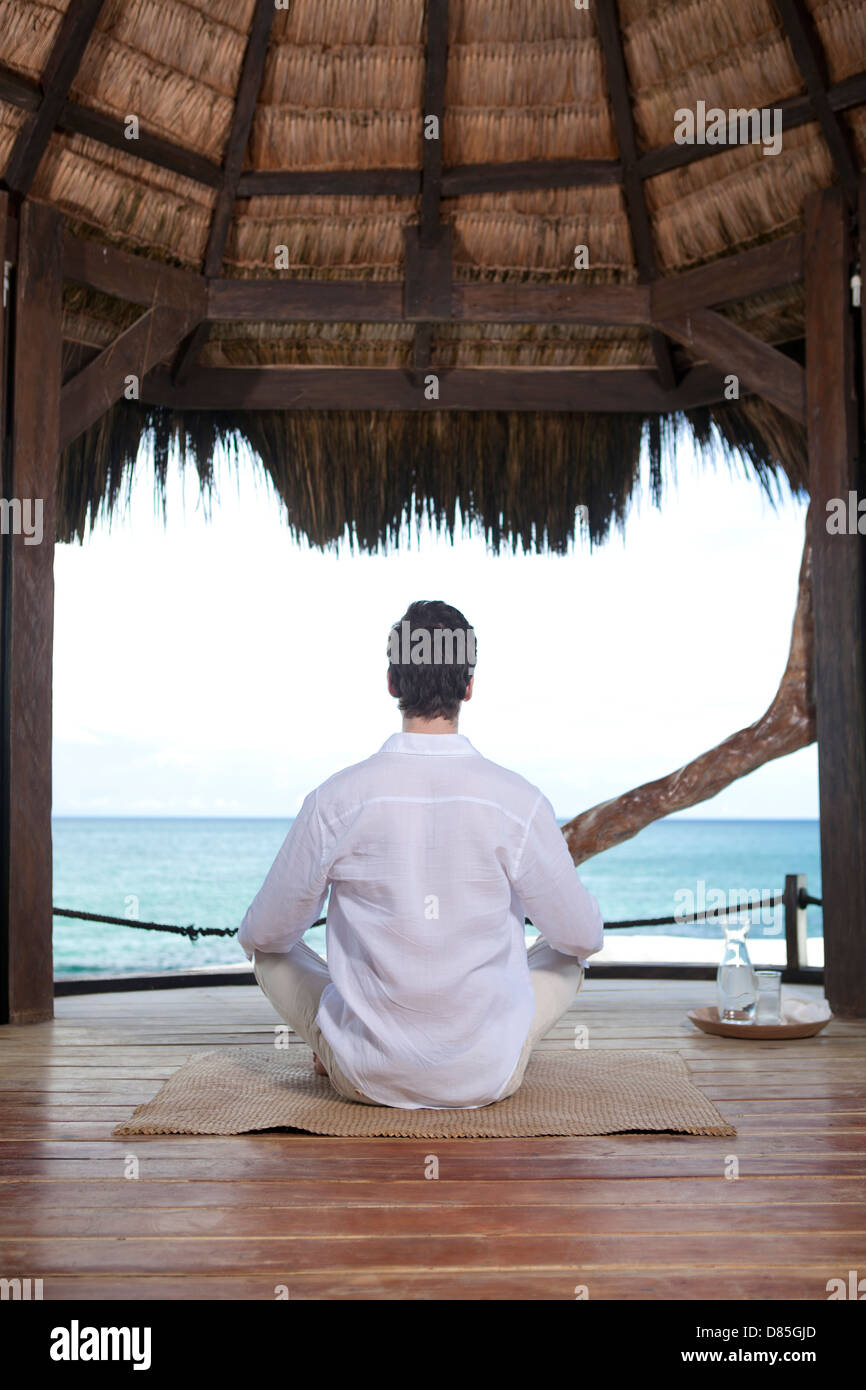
(433, 855)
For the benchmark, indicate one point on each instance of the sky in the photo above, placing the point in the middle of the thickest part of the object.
(216, 668)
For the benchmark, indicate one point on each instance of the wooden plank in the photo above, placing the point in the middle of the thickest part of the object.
(806, 1283)
(805, 43)
(137, 279)
(692, 1162)
(838, 587)
(438, 1253)
(406, 1157)
(593, 1190)
(30, 472)
(422, 1222)
(757, 365)
(769, 267)
(148, 341)
(66, 53)
(371, 388)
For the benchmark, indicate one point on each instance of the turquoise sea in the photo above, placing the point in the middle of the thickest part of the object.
(206, 872)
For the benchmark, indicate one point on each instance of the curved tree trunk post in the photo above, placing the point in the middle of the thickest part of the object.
(788, 724)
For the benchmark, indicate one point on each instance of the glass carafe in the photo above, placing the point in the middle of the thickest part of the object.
(736, 983)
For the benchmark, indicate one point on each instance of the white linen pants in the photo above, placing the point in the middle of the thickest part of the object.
(294, 982)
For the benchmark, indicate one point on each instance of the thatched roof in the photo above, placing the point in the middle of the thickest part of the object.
(342, 89)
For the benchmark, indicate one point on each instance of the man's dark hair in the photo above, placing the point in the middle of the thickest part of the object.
(431, 659)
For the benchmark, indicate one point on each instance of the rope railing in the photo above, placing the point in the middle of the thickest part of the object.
(679, 919)
(191, 931)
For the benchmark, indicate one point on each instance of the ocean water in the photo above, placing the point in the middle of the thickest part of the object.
(206, 872)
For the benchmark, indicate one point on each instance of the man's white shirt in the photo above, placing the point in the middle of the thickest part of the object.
(433, 856)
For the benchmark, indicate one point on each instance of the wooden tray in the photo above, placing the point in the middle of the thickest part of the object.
(709, 1022)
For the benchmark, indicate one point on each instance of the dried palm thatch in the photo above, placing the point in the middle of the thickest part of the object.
(367, 475)
(343, 88)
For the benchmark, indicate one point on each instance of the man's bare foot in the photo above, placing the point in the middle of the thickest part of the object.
(318, 1067)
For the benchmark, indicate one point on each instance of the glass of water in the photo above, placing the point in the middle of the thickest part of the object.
(769, 1002)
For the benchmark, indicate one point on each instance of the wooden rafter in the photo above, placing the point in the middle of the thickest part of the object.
(148, 341)
(63, 61)
(249, 84)
(394, 388)
(636, 206)
(769, 267)
(428, 246)
(757, 365)
(136, 279)
(809, 56)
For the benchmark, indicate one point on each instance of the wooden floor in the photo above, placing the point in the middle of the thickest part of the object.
(625, 1217)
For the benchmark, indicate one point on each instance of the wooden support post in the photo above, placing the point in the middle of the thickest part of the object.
(30, 457)
(796, 953)
(836, 471)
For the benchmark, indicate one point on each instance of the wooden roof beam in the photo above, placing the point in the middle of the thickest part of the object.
(249, 85)
(772, 266)
(428, 246)
(136, 279)
(141, 280)
(756, 365)
(636, 206)
(148, 341)
(809, 56)
(522, 175)
(66, 53)
(393, 388)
